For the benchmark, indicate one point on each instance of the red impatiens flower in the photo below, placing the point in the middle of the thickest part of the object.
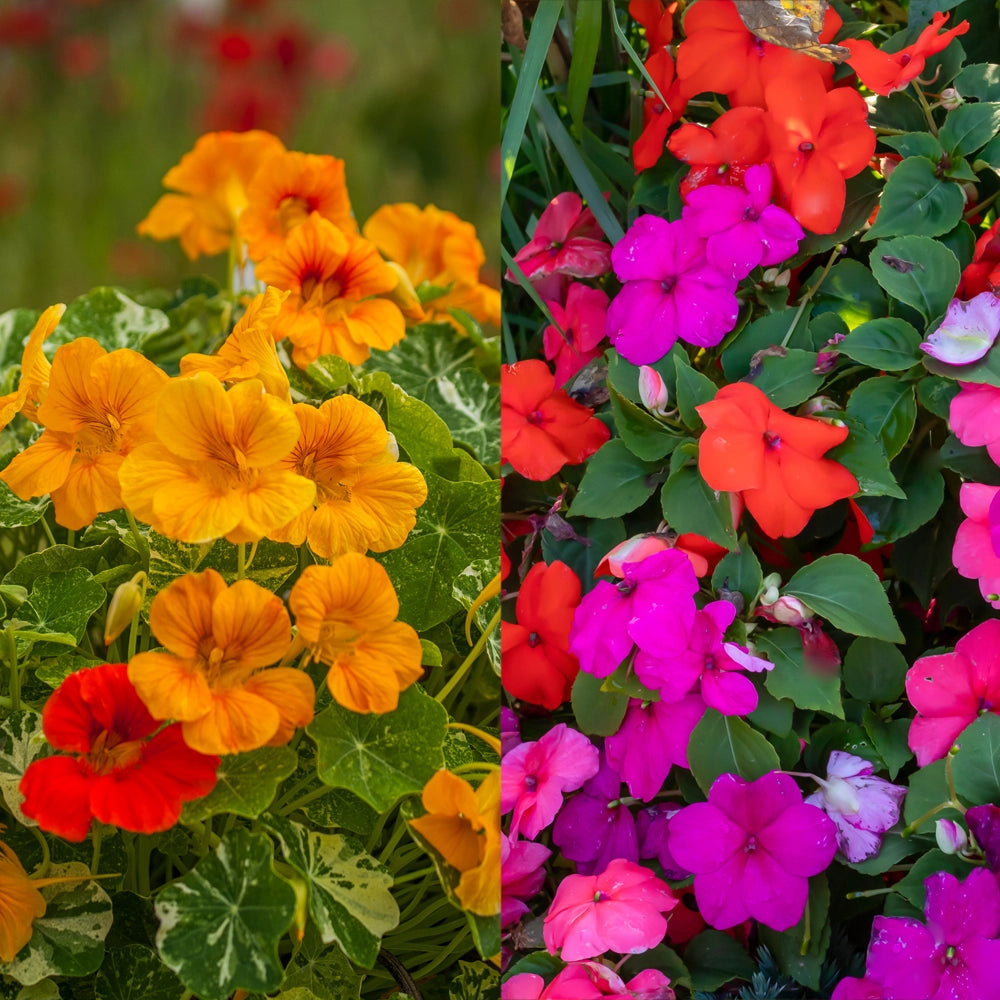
(537, 664)
(886, 72)
(657, 116)
(983, 273)
(773, 459)
(818, 139)
(120, 773)
(657, 17)
(541, 428)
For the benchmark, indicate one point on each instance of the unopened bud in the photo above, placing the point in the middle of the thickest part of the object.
(124, 606)
(393, 447)
(772, 580)
(404, 295)
(951, 99)
(779, 279)
(816, 405)
(787, 611)
(887, 164)
(653, 391)
(950, 837)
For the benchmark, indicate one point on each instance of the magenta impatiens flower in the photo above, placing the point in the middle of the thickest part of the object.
(852, 988)
(973, 554)
(566, 240)
(582, 321)
(954, 956)
(967, 331)
(535, 775)
(752, 847)
(862, 806)
(670, 291)
(951, 690)
(743, 229)
(652, 606)
(522, 875)
(620, 910)
(587, 981)
(975, 417)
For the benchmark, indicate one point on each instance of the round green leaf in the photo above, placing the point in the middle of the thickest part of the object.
(874, 671)
(690, 504)
(917, 270)
(918, 202)
(725, 744)
(615, 482)
(220, 924)
(135, 973)
(245, 784)
(886, 344)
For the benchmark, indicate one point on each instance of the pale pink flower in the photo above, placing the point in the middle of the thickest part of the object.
(967, 331)
(620, 910)
(862, 806)
(535, 775)
(951, 690)
(975, 417)
(973, 554)
(752, 847)
(581, 320)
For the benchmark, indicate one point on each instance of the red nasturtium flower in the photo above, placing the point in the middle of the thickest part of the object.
(774, 460)
(885, 72)
(541, 428)
(537, 664)
(818, 139)
(120, 772)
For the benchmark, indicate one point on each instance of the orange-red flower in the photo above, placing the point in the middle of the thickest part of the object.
(885, 72)
(657, 17)
(657, 116)
(537, 664)
(346, 616)
(125, 770)
(818, 139)
(213, 679)
(774, 460)
(284, 191)
(437, 250)
(98, 408)
(541, 428)
(365, 499)
(213, 471)
(334, 282)
(212, 183)
(33, 383)
(249, 351)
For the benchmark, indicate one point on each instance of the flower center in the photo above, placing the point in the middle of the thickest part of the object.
(291, 211)
(771, 441)
(111, 753)
(536, 417)
(533, 639)
(667, 284)
(905, 58)
(750, 846)
(530, 782)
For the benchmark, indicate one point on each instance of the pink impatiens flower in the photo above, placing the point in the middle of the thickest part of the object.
(522, 875)
(954, 956)
(863, 807)
(581, 320)
(752, 847)
(535, 775)
(975, 417)
(967, 331)
(951, 690)
(620, 910)
(974, 555)
(587, 981)
(566, 240)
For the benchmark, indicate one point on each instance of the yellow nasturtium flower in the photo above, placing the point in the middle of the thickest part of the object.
(98, 409)
(35, 371)
(346, 617)
(216, 678)
(211, 191)
(365, 499)
(463, 825)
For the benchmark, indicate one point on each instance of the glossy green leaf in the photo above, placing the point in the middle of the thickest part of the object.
(690, 504)
(976, 766)
(615, 482)
(597, 712)
(979, 80)
(220, 924)
(740, 571)
(917, 270)
(887, 407)
(596, 538)
(847, 593)
(245, 784)
(792, 678)
(18, 513)
(381, 757)
(586, 41)
(916, 202)
(969, 127)
(641, 432)
(890, 737)
(135, 973)
(787, 380)
(874, 671)
(862, 455)
(349, 897)
(725, 744)
(109, 317)
(693, 389)
(886, 344)
(923, 485)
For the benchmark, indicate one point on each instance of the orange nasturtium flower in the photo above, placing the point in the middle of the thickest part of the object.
(248, 351)
(286, 189)
(212, 183)
(463, 825)
(773, 459)
(213, 471)
(99, 407)
(35, 371)
(365, 499)
(437, 249)
(213, 679)
(334, 281)
(346, 617)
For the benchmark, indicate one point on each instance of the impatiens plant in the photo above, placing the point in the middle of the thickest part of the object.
(775, 483)
(248, 598)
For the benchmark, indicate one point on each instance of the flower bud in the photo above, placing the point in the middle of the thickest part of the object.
(124, 606)
(951, 99)
(950, 837)
(404, 295)
(777, 278)
(393, 447)
(786, 610)
(652, 391)
(632, 550)
(887, 164)
(817, 405)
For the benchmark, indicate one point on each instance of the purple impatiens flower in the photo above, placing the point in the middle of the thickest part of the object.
(862, 806)
(743, 229)
(967, 331)
(670, 291)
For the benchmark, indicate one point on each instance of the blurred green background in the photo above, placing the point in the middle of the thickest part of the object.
(99, 98)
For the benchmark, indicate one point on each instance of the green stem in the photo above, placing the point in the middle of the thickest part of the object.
(806, 932)
(376, 833)
(133, 637)
(141, 544)
(48, 531)
(871, 892)
(95, 857)
(15, 674)
(928, 114)
(71, 538)
(413, 876)
(940, 807)
(981, 206)
(813, 289)
(144, 848)
(467, 663)
(43, 868)
(316, 793)
(397, 836)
